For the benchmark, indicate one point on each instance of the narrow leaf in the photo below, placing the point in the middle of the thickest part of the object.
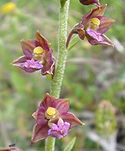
(70, 145)
(74, 42)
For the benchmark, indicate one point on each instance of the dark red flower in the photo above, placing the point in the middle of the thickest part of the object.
(37, 56)
(89, 2)
(53, 119)
(93, 26)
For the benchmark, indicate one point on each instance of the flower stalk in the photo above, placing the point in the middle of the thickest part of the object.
(62, 51)
(50, 144)
(61, 62)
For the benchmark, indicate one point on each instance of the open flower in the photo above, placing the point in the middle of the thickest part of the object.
(37, 56)
(93, 26)
(89, 2)
(53, 119)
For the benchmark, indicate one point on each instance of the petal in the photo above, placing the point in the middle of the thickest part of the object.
(98, 11)
(81, 33)
(96, 38)
(28, 47)
(27, 65)
(33, 64)
(39, 132)
(34, 115)
(49, 70)
(78, 29)
(49, 65)
(20, 63)
(49, 61)
(47, 101)
(62, 105)
(106, 41)
(21, 59)
(40, 118)
(105, 24)
(72, 119)
(42, 41)
(92, 34)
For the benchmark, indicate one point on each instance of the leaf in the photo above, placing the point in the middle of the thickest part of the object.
(62, 2)
(74, 42)
(70, 145)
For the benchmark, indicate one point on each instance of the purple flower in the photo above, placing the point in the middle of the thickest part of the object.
(53, 114)
(37, 56)
(89, 2)
(60, 129)
(93, 26)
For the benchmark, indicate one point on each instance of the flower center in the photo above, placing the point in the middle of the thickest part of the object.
(51, 113)
(38, 52)
(94, 23)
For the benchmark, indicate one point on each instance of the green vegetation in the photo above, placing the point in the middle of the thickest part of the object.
(93, 73)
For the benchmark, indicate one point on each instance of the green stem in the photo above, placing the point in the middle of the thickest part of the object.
(61, 63)
(62, 51)
(50, 144)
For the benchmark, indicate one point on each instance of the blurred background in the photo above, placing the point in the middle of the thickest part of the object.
(94, 78)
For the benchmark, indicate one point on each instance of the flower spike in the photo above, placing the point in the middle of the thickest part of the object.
(37, 56)
(53, 119)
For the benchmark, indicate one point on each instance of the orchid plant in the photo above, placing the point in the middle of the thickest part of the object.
(52, 117)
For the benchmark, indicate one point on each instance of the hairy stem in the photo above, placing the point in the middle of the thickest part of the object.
(62, 51)
(50, 144)
(61, 62)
